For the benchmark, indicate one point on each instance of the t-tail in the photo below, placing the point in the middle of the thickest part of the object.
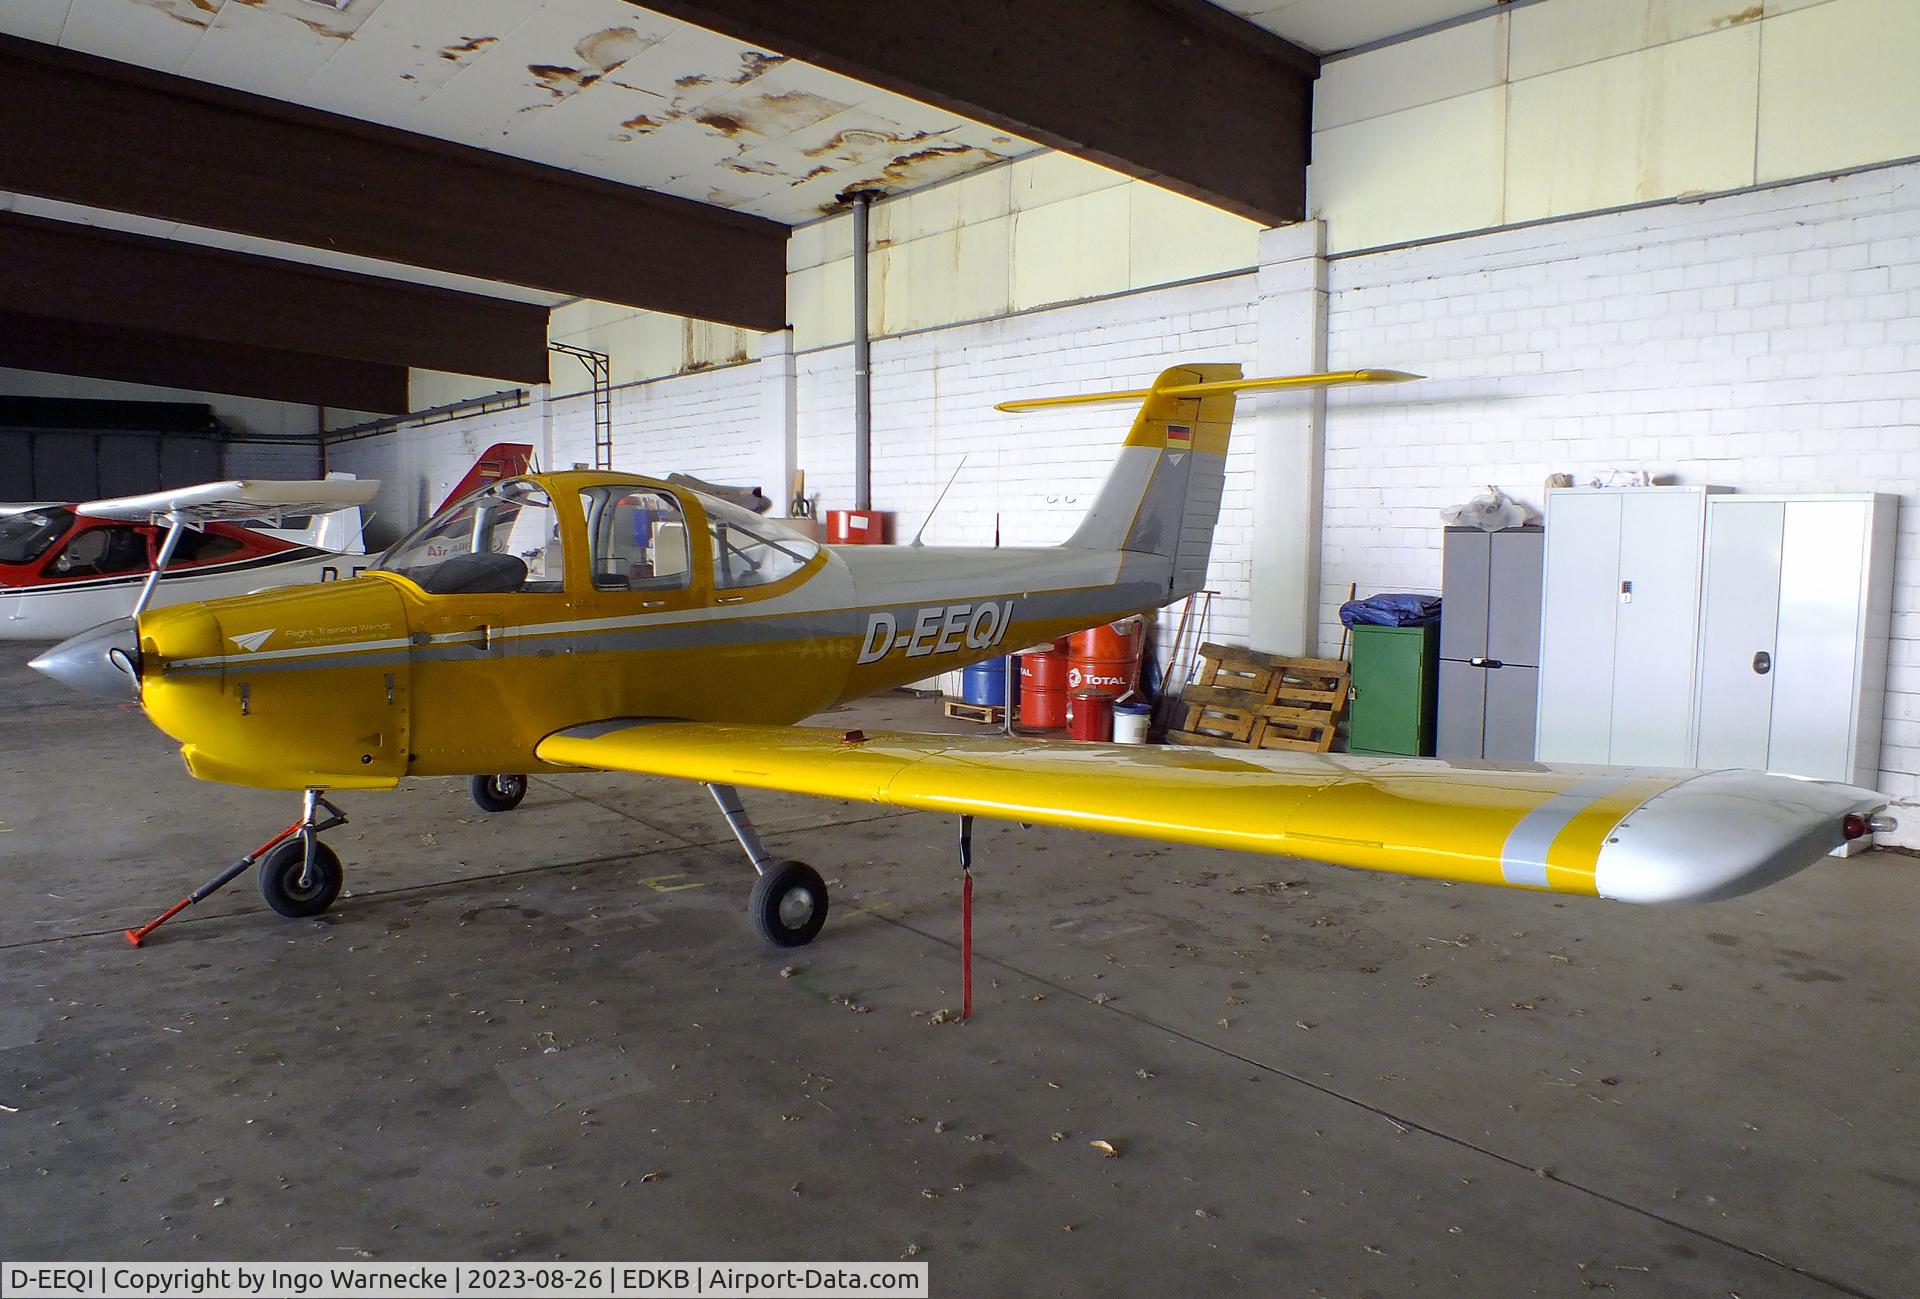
(1162, 496)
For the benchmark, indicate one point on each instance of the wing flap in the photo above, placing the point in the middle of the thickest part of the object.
(239, 499)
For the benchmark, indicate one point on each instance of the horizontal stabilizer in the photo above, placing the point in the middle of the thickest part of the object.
(1281, 383)
(238, 499)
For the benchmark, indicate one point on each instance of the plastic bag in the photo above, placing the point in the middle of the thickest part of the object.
(1397, 609)
(1490, 511)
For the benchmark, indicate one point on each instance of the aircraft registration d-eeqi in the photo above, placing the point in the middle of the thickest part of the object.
(589, 620)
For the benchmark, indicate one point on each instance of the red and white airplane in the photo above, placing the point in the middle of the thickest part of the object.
(65, 568)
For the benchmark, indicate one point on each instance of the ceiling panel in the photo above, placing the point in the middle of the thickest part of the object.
(1329, 26)
(595, 86)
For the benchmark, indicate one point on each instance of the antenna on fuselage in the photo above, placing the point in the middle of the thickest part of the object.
(936, 502)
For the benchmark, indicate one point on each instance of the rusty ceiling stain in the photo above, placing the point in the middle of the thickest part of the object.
(724, 123)
(641, 122)
(848, 144)
(1746, 15)
(755, 63)
(908, 170)
(465, 47)
(691, 80)
(901, 168)
(561, 82)
(174, 12)
(608, 49)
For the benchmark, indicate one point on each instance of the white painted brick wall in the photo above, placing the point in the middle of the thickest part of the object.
(1768, 341)
(702, 424)
(1035, 474)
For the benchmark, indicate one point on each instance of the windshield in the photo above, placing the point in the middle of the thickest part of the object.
(751, 551)
(506, 538)
(25, 536)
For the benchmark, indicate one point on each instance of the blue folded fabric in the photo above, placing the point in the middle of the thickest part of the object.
(1391, 610)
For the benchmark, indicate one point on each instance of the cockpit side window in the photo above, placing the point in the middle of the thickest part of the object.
(751, 551)
(506, 538)
(26, 534)
(639, 539)
(101, 552)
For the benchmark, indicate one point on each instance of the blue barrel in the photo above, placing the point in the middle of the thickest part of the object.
(985, 683)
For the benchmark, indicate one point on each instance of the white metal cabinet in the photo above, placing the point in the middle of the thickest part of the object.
(1619, 625)
(1794, 624)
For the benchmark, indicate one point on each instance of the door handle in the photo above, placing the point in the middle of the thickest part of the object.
(1485, 663)
(1762, 662)
(730, 599)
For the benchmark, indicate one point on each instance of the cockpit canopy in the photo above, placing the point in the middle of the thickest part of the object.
(512, 536)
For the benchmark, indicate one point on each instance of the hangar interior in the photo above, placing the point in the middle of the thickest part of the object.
(1678, 240)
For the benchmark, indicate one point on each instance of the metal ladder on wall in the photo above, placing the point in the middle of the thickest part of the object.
(600, 368)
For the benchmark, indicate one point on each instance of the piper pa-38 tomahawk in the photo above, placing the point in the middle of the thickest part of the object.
(587, 620)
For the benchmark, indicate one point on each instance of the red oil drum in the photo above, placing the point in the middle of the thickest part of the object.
(857, 527)
(1106, 659)
(1043, 688)
(1091, 717)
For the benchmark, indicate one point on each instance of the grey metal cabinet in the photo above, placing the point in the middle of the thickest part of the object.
(1619, 626)
(1489, 643)
(1793, 634)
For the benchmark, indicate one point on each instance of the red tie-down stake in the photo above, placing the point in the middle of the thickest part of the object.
(966, 917)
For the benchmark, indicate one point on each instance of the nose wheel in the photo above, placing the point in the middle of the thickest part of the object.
(497, 793)
(788, 904)
(301, 877)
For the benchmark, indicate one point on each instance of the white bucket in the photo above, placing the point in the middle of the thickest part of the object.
(1130, 723)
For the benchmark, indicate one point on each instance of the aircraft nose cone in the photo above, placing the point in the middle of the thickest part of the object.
(103, 660)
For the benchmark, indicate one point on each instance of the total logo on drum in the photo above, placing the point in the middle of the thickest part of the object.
(1094, 679)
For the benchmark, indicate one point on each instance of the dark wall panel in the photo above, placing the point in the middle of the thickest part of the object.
(185, 461)
(64, 468)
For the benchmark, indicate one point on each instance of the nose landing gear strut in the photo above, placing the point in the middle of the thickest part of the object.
(299, 875)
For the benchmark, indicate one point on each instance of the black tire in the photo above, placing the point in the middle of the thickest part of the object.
(789, 904)
(497, 793)
(280, 872)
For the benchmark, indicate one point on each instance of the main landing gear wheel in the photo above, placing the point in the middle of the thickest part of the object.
(789, 903)
(293, 888)
(497, 793)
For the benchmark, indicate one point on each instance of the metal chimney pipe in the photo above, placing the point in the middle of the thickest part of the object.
(862, 357)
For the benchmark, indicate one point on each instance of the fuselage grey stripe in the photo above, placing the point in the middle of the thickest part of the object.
(536, 640)
(1523, 859)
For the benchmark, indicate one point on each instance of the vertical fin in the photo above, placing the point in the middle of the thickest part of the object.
(1162, 496)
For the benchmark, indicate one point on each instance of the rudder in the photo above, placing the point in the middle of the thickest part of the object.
(1163, 495)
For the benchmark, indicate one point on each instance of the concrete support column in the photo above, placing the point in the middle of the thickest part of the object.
(779, 417)
(1289, 439)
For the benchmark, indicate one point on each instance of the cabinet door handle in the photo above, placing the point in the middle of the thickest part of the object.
(1485, 663)
(1762, 662)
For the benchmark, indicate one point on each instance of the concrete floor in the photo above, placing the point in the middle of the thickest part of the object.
(549, 1034)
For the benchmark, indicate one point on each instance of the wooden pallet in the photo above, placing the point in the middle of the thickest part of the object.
(985, 714)
(1211, 722)
(1245, 699)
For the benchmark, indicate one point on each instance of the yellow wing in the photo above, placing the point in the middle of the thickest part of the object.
(1637, 835)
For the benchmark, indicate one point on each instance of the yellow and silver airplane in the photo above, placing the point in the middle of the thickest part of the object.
(586, 620)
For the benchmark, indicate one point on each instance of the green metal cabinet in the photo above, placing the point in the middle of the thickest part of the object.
(1395, 683)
